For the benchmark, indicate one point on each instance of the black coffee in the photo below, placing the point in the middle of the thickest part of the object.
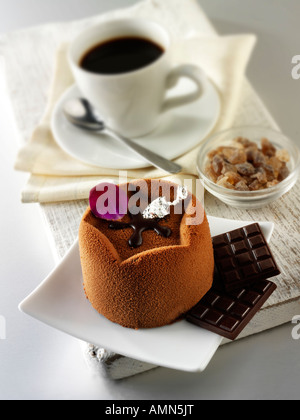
(121, 55)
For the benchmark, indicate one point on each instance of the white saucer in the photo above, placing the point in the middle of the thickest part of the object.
(61, 303)
(179, 131)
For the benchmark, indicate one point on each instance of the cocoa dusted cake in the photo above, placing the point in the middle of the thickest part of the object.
(148, 265)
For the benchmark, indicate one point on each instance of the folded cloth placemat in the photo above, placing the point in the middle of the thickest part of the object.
(33, 89)
(55, 176)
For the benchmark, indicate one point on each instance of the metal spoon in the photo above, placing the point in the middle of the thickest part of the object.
(81, 114)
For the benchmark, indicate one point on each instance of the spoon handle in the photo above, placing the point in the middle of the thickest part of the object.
(153, 158)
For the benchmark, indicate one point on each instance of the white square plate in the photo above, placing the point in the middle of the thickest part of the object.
(60, 302)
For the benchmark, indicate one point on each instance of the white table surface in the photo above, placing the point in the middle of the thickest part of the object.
(37, 362)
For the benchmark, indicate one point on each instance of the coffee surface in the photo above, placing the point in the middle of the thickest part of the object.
(121, 55)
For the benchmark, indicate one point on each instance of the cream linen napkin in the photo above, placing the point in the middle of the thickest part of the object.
(55, 176)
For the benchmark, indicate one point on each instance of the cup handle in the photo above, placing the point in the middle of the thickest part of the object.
(186, 70)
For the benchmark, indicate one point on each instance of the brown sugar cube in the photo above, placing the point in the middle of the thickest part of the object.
(217, 164)
(283, 173)
(211, 173)
(246, 142)
(234, 155)
(283, 155)
(256, 185)
(267, 147)
(241, 186)
(228, 167)
(260, 175)
(270, 172)
(259, 159)
(223, 182)
(233, 177)
(246, 169)
(272, 183)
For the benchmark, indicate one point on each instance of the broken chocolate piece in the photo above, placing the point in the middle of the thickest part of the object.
(242, 257)
(243, 264)
(228, 313)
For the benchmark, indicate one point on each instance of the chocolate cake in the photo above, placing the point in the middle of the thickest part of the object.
(146, 273)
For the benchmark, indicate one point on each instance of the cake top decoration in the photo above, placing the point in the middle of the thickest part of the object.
(108, 201)
(139, 225)
(160, 207)
(149, 219)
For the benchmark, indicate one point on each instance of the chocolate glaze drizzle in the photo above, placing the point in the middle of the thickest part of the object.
(139, 224)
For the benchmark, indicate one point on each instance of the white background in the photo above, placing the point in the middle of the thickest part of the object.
(37, 362)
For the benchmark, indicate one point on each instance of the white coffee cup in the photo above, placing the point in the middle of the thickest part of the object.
(132, 102)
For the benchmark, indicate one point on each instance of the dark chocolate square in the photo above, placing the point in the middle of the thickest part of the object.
(239, 247)
(210, 298)
(213, 317)
(250, 271)
(261, 253)
(224, 303)
(244, 259)
(232, 277)
(251, 297)
(227, 264)
(222, 252)
(266, 265)
(235, 235)
(229, 324)
(220, 240)
(251, 230)
(239, 310)
(256, 241)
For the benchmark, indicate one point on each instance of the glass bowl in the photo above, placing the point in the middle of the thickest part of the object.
(249, 199)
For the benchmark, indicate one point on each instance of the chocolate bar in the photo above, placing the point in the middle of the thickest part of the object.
(243, 257)
(227, 313)
(243, 265)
